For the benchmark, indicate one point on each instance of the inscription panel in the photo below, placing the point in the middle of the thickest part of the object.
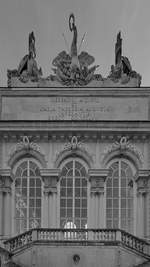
(74, 108)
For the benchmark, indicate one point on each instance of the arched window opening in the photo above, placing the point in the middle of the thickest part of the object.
(119, 196)
(73, 195)
(28, 196)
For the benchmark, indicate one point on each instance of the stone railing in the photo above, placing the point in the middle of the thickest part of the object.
(101, 236)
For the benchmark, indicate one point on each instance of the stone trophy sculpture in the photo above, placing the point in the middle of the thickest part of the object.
(122, 71)
(28, 69)
(72, 69)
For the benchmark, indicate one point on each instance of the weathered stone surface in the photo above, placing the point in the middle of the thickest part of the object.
(74, 108)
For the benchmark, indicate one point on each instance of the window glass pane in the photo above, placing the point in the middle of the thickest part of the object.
(109, 213)
(119, 196)
(32, 173)
(63, 191)
(24, 182)
(63, 202)
(32, 182)
(77, 173)
(69, 182)
(116, 203)
(109, 203)
(75, 183)
(69, 191)
(109, 192)
(69, 202)
(32, 192)
(38, 192)
(115, 191)
(70, 173)
(109, 182)
(24, 173)
(63, 182)
(38, 182)
(28, 193)
(115, 182)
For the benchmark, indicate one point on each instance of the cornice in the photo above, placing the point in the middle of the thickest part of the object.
(97, 129)
(63, 135)
(72, 91)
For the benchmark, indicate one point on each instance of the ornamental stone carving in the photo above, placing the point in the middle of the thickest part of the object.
(25, 144)
(73, 148)
(74, 144)
(25, 147)
(122, 147)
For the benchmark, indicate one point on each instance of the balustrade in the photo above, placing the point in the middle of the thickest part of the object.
(104, 236)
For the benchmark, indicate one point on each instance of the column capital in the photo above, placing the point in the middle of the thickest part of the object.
(6, 179)
(50, 178)
(142, 178)
(97, 178)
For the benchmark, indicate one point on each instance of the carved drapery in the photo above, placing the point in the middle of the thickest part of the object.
(6, 179)
(97, 179)
(50, 178)
(142, 179)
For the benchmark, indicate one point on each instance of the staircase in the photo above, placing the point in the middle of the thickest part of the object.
(102, 246)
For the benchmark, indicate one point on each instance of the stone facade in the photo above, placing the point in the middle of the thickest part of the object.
(74, 162)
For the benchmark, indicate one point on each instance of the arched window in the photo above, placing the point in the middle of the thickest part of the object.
(73, 195)
(28, 196)
(119, 196)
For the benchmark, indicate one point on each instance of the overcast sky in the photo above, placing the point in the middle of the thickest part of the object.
(100, 19)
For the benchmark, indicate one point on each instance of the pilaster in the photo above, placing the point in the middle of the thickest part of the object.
(6, 179)
(97, 179)
(50, 178)
(142, 196)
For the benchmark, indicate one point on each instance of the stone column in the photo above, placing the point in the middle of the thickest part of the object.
(6, 196)
(50, 178)
(96, 210)
(142, 190)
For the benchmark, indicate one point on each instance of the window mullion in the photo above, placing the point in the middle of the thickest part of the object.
(73, 200)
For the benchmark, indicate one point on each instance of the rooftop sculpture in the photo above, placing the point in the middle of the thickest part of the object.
(73, 69)
(27, 69)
